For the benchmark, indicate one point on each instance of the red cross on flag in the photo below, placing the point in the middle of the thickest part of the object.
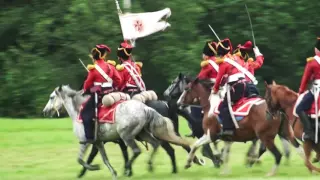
(137, 25)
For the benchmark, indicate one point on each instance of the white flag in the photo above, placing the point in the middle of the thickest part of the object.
(137, 25)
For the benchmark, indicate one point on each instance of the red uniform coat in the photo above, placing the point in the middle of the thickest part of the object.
(95, 76)
(225, 70)
(207, 71)
(125, 75)
(311, 72)
(250, 65)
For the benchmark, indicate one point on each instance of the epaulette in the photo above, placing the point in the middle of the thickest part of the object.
(250, 60)
(204, 63)
(140, 64)
(90, 66)
(237, 53)
(219, 60)
(112, 62)
(119, 67)
(310, 59)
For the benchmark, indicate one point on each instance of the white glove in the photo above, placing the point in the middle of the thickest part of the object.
(256, 51)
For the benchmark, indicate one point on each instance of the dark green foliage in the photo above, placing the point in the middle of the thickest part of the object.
(41, 42)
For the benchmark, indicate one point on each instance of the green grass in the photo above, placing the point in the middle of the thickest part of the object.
(47, 149)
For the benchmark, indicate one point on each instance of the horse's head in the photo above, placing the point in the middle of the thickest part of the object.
(62, 95)
(194, 91)
(279, 96)
(176, 87)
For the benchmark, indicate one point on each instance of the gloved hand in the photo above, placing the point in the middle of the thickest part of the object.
(256, 51)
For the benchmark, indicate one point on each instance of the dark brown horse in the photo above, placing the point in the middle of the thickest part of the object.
(281, 98)
(258, 123)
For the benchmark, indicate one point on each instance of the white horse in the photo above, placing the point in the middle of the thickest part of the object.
(132, 119)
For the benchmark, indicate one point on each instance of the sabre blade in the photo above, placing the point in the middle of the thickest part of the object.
(83, 64)
(214, 32)
(254, 41)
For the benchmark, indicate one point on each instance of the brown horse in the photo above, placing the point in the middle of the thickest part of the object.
(258, 123)
(281, 98)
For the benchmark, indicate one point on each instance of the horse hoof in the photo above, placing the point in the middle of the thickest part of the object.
(174, 171)
(150, 168)
(128, 172)
(199, 161)
(187, 166)
(270, 174)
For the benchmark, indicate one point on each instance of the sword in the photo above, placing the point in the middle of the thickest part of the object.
(83, 64)
(214, 32)
(254, 41)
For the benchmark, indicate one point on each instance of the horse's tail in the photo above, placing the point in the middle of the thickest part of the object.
(162, 128)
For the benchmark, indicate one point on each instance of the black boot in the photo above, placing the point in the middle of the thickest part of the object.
(309, 134)
(227, 123)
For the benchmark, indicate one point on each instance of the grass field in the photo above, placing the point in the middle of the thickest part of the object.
(47, 149)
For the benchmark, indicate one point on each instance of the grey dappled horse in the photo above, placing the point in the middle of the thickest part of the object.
(132, 119)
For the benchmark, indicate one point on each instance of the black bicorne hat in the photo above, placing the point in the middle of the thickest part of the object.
(209, 48)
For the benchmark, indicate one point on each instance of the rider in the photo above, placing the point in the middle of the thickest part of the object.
(241, 54)
(129, 70)
(235, 79)
(209, 71)
(102, 78)
(311, 72)
(209, 68)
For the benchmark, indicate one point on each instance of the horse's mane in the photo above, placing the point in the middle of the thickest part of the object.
(284, 94)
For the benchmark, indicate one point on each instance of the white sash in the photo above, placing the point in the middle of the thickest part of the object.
(317, 58)
(242, 69)
(103, 74)
(134, 74)
(214, 65)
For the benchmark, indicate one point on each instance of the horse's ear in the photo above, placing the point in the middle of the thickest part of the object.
(60, 87)
(196, 80)
(266, 83)
(274, 82)
(180, 75)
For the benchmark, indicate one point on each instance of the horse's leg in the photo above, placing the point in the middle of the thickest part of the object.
(205, 139)
(225, 158)
(307, 146)
(170, 151)
(317, 158)
(124, 150)
(269, 143)
(83, 149)
(136, 152)
(251, 154)
(103, 153)
(93, 153)
(286, 147)
(215, 157)
(155, 144)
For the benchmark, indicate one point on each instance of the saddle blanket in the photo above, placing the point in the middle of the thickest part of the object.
(105, 114)
(242, 107)
(312, 110)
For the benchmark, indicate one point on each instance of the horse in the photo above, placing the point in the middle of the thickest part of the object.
(171, 94)
(255, 122)
(131, 119)
(281, 98)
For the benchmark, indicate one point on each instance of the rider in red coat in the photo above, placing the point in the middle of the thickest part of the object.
(209, 68)
(241, 54)
(311, 72)
(129, 70)
(235, 79)
(102, 78)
